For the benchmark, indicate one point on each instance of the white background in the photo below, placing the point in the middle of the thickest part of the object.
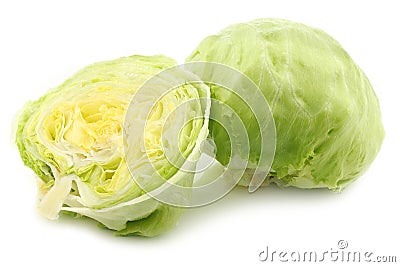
(44, 42)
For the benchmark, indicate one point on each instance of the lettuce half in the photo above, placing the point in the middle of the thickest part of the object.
(72, 138)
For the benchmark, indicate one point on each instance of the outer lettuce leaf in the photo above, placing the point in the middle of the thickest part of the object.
(328, 120)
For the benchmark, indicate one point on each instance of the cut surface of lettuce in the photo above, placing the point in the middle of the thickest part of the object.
(72, 138)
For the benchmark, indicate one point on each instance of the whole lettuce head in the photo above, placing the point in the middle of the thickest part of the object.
(73, 139)
(327, 116)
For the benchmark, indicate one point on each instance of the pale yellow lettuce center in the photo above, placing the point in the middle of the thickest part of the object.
(92, 122)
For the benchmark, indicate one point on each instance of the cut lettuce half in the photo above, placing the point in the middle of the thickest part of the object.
(72, 138)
